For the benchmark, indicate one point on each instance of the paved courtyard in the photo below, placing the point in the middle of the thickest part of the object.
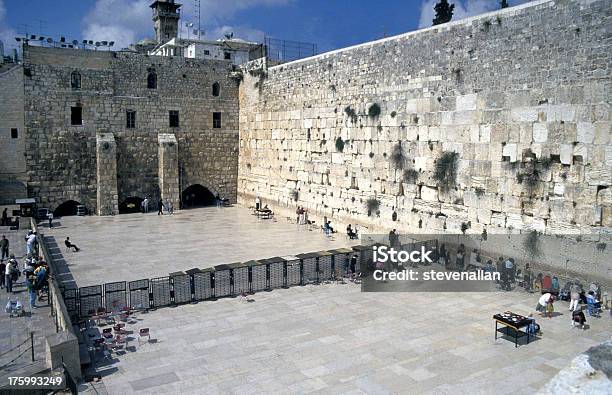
(15, 331)
(136, 246)
(335, 339)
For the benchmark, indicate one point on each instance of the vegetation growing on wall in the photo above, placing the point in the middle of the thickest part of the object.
(410, 176)
(374, 110)
(373, 206)
(445, 173)
(339, 144)
(348, 110)
(444, 12)
(398, 159)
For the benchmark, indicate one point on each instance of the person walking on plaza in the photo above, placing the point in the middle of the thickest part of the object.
(169, 207)
(2, 273)
(4, 246)
(30, 242)
(161, 208)
(9, 271)
(5, 221)
(50, 218)
(145, 205)
(257, 203)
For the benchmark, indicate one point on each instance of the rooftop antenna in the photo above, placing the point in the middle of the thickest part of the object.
(197, 4)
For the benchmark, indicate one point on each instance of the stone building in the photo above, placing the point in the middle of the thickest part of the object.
(107, 129)
(12, 134)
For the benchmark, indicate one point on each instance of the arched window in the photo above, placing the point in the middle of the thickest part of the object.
(75, 80)
(216, 89)
(152, 80)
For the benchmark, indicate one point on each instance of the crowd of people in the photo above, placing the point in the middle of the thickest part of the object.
(35, 270)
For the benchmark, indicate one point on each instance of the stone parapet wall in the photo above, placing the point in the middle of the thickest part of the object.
(521, 95)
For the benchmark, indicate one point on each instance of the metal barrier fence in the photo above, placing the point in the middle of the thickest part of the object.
(206, 284)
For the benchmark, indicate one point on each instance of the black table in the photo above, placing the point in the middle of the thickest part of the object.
(511, 326)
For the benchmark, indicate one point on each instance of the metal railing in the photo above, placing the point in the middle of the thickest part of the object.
(287, 51)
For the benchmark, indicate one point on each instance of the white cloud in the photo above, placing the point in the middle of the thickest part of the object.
(463, 9)
(7, 33)
(128, 21)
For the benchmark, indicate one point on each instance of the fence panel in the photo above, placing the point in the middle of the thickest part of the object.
(309, 268)
(276, 272)
(341, 259)
(71, 298)
(202, 284)
(325, 266)
(294, 272)
(115, 297)
(181, 285)
(139, 294)
(160, 292)
(240, 278)
(90, 300)
(259, 276)
(222, 277)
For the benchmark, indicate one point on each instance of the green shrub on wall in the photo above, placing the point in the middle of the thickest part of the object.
(339, 144)
(374, 110)
(445, 173)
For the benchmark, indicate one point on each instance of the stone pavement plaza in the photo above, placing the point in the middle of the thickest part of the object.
(136, 246)
(332, 338)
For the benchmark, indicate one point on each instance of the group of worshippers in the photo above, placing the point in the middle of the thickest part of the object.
(35, 272)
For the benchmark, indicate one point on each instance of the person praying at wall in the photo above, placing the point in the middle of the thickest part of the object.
(50, 218)
(4, 247)
(5, 220)
(145, 205)
(161, 208)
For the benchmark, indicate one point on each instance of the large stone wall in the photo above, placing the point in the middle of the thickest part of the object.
(12, 162)
(62, 158)
(526, 87)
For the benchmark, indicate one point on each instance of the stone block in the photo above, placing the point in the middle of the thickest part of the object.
(429, 194)
(467, 102)
(540, 132)
(586, 132)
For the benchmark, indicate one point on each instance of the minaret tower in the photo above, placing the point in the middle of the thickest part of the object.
(166, 16)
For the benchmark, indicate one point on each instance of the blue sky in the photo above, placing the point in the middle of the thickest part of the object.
(330, 24)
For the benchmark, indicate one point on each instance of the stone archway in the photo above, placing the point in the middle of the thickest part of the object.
(67, 208)
(197, 195)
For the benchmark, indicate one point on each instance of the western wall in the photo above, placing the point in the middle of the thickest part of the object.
(520, 95)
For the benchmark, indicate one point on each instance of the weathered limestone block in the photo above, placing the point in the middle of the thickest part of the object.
(168, 173)
(540, 132)
(106, 174)
(565, 154)
(510, 151)
(598, 175)
(586, 132)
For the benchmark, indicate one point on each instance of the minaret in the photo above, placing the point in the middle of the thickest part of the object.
(166, 16)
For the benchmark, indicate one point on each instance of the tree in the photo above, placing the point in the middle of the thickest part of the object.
(504, 4)
(444, 12)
